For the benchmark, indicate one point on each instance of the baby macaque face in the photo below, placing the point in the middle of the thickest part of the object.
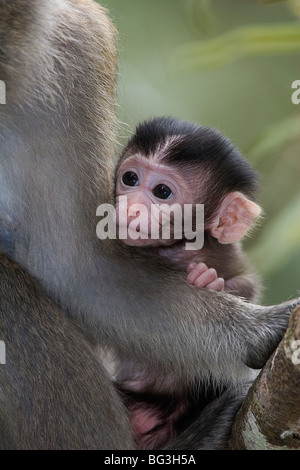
(148, 184)
(146, 190)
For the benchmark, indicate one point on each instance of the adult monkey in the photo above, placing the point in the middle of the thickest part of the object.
(58, 61)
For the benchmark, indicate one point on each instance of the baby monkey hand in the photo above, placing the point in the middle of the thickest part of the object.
(201, 276)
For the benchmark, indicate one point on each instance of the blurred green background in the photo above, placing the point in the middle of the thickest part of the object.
(229, 64)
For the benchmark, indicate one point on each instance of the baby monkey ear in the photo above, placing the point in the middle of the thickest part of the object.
(235, 217)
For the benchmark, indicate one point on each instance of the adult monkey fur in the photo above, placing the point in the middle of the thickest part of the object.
(58, 61)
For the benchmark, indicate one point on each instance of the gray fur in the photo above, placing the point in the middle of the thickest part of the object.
(56, 145)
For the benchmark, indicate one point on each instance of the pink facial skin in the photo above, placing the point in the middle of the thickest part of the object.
(147, 182)
(150, 175)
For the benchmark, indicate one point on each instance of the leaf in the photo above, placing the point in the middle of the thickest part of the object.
(241, 42)
(200, 15)
(274, 139)
(270, 1)
(294, 7)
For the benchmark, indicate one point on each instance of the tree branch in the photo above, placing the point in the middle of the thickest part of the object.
(270, 416)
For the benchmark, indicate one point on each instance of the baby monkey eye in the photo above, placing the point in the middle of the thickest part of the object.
(130, 178)
(161, 191)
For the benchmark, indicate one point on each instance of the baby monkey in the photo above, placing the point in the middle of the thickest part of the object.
(168, 161)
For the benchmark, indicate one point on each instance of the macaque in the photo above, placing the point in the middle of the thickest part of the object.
(178, 163)
(57, 137)
(174, 162)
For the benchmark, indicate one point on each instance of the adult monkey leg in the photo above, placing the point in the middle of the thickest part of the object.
(54, 394)
(57, 133)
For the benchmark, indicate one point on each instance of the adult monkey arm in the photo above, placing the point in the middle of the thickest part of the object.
(56, 146)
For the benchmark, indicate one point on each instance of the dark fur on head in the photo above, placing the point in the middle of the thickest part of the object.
(202, 151)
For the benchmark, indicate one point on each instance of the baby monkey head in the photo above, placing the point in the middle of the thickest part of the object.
(175, 164)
